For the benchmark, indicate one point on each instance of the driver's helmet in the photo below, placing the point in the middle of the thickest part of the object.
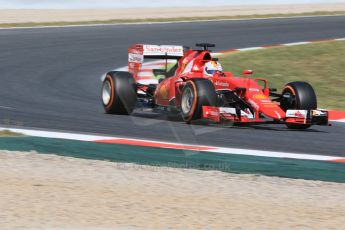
(212, 67)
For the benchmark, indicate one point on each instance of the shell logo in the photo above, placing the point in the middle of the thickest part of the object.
(164, 92)
(260, 97)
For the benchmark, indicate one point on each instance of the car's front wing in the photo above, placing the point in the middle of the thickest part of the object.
(219, 114)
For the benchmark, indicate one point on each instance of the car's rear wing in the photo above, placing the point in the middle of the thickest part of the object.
(139, 52)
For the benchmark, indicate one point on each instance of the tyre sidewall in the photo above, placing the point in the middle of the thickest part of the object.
(204, 95)
(304, 93)
(305, 99)
(189, 116)
(123, 93)
(108, 106)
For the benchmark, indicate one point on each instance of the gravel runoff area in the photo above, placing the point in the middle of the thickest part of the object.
(52, 192)
(36, 16)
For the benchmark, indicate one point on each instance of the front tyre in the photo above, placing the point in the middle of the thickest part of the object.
(298, 95)
(119, 93)
(196, 94)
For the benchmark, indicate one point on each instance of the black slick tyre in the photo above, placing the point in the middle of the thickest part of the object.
(119, 93)
(298, 95)
(196, 94)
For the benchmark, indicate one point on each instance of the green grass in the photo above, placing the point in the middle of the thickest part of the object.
(7, 133)
(321, 64)
(121, 21)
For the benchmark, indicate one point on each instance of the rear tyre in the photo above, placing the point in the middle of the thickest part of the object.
(298, 95)
(119, 93)
(196, 94)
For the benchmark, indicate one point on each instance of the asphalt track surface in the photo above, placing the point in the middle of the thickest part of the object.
(50, 79)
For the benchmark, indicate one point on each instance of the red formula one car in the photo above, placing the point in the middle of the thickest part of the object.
(195, 86)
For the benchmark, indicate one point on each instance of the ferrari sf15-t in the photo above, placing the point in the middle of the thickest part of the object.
(195, 86)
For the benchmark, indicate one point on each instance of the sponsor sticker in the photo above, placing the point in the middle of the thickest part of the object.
(135, 51)
(227, 110)
(269, 105)
(232, 111)
(223, 84)
(213, 113)
(163, 50)
(135, 58)
(260, 96)
(252, 103)
(319, 113)
(296, 113)
(266, 102)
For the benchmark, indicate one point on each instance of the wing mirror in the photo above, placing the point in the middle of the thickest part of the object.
(247, 72)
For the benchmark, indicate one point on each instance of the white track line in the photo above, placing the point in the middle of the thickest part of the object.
(250, 48)
(296, 43)
(236, 151)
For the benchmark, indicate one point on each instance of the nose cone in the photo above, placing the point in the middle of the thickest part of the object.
(266, 106)
(274, 112)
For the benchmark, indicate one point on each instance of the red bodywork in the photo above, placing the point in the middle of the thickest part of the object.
(191, 65)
